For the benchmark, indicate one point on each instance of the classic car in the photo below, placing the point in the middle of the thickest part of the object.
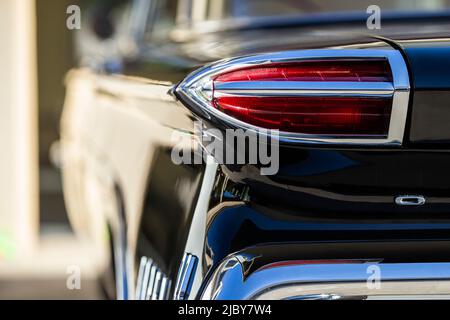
(355, 200)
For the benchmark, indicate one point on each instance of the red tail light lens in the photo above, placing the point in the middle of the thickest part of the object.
(360, 71)
(272, 97)
(319, 115)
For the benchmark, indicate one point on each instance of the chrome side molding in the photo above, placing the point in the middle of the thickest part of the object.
(185, 277)
(327, 280)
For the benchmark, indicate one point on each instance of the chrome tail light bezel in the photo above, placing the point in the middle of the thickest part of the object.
(197, 89)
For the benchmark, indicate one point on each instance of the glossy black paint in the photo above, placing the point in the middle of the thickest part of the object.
(352, 182)
(429, 64)
(170, 199)
(243, 217)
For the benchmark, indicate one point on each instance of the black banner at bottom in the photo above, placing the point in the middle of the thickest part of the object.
(214, 309)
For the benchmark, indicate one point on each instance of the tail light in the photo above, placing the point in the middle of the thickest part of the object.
(335, 96)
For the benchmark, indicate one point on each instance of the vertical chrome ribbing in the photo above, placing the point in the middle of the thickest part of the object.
(140, 278)
(145, 279)
(165, 284)
(152, 283)
(157, 286)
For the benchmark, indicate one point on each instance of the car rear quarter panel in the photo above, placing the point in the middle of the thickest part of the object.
(118, 132)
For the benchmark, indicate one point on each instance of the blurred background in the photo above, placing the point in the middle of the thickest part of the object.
(37, 244)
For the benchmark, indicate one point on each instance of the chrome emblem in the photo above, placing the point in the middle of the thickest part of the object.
(410, 200)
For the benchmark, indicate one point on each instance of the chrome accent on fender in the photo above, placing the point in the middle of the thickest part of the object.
(152, 284)
(409, 200)
(343, 280)
(185, 277)
(197, 88)
(195, 244)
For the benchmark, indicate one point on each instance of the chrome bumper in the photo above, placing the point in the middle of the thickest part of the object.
(333, 279)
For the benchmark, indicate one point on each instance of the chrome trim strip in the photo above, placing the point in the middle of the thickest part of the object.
(195, 244)
(146, 278)
(151, 284)
(320, 296)
(303, 93)
(157, 285)
(180, 276)
(197, 89)
(187, 281)
(410, 200)
(140, 278)
(344, 280)
(283, 88)
(185, 278)
(163, 291)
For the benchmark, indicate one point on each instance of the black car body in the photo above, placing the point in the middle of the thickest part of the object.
(338, 211)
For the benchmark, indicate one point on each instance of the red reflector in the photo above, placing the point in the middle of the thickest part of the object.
(359, 71)
(311, 115)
